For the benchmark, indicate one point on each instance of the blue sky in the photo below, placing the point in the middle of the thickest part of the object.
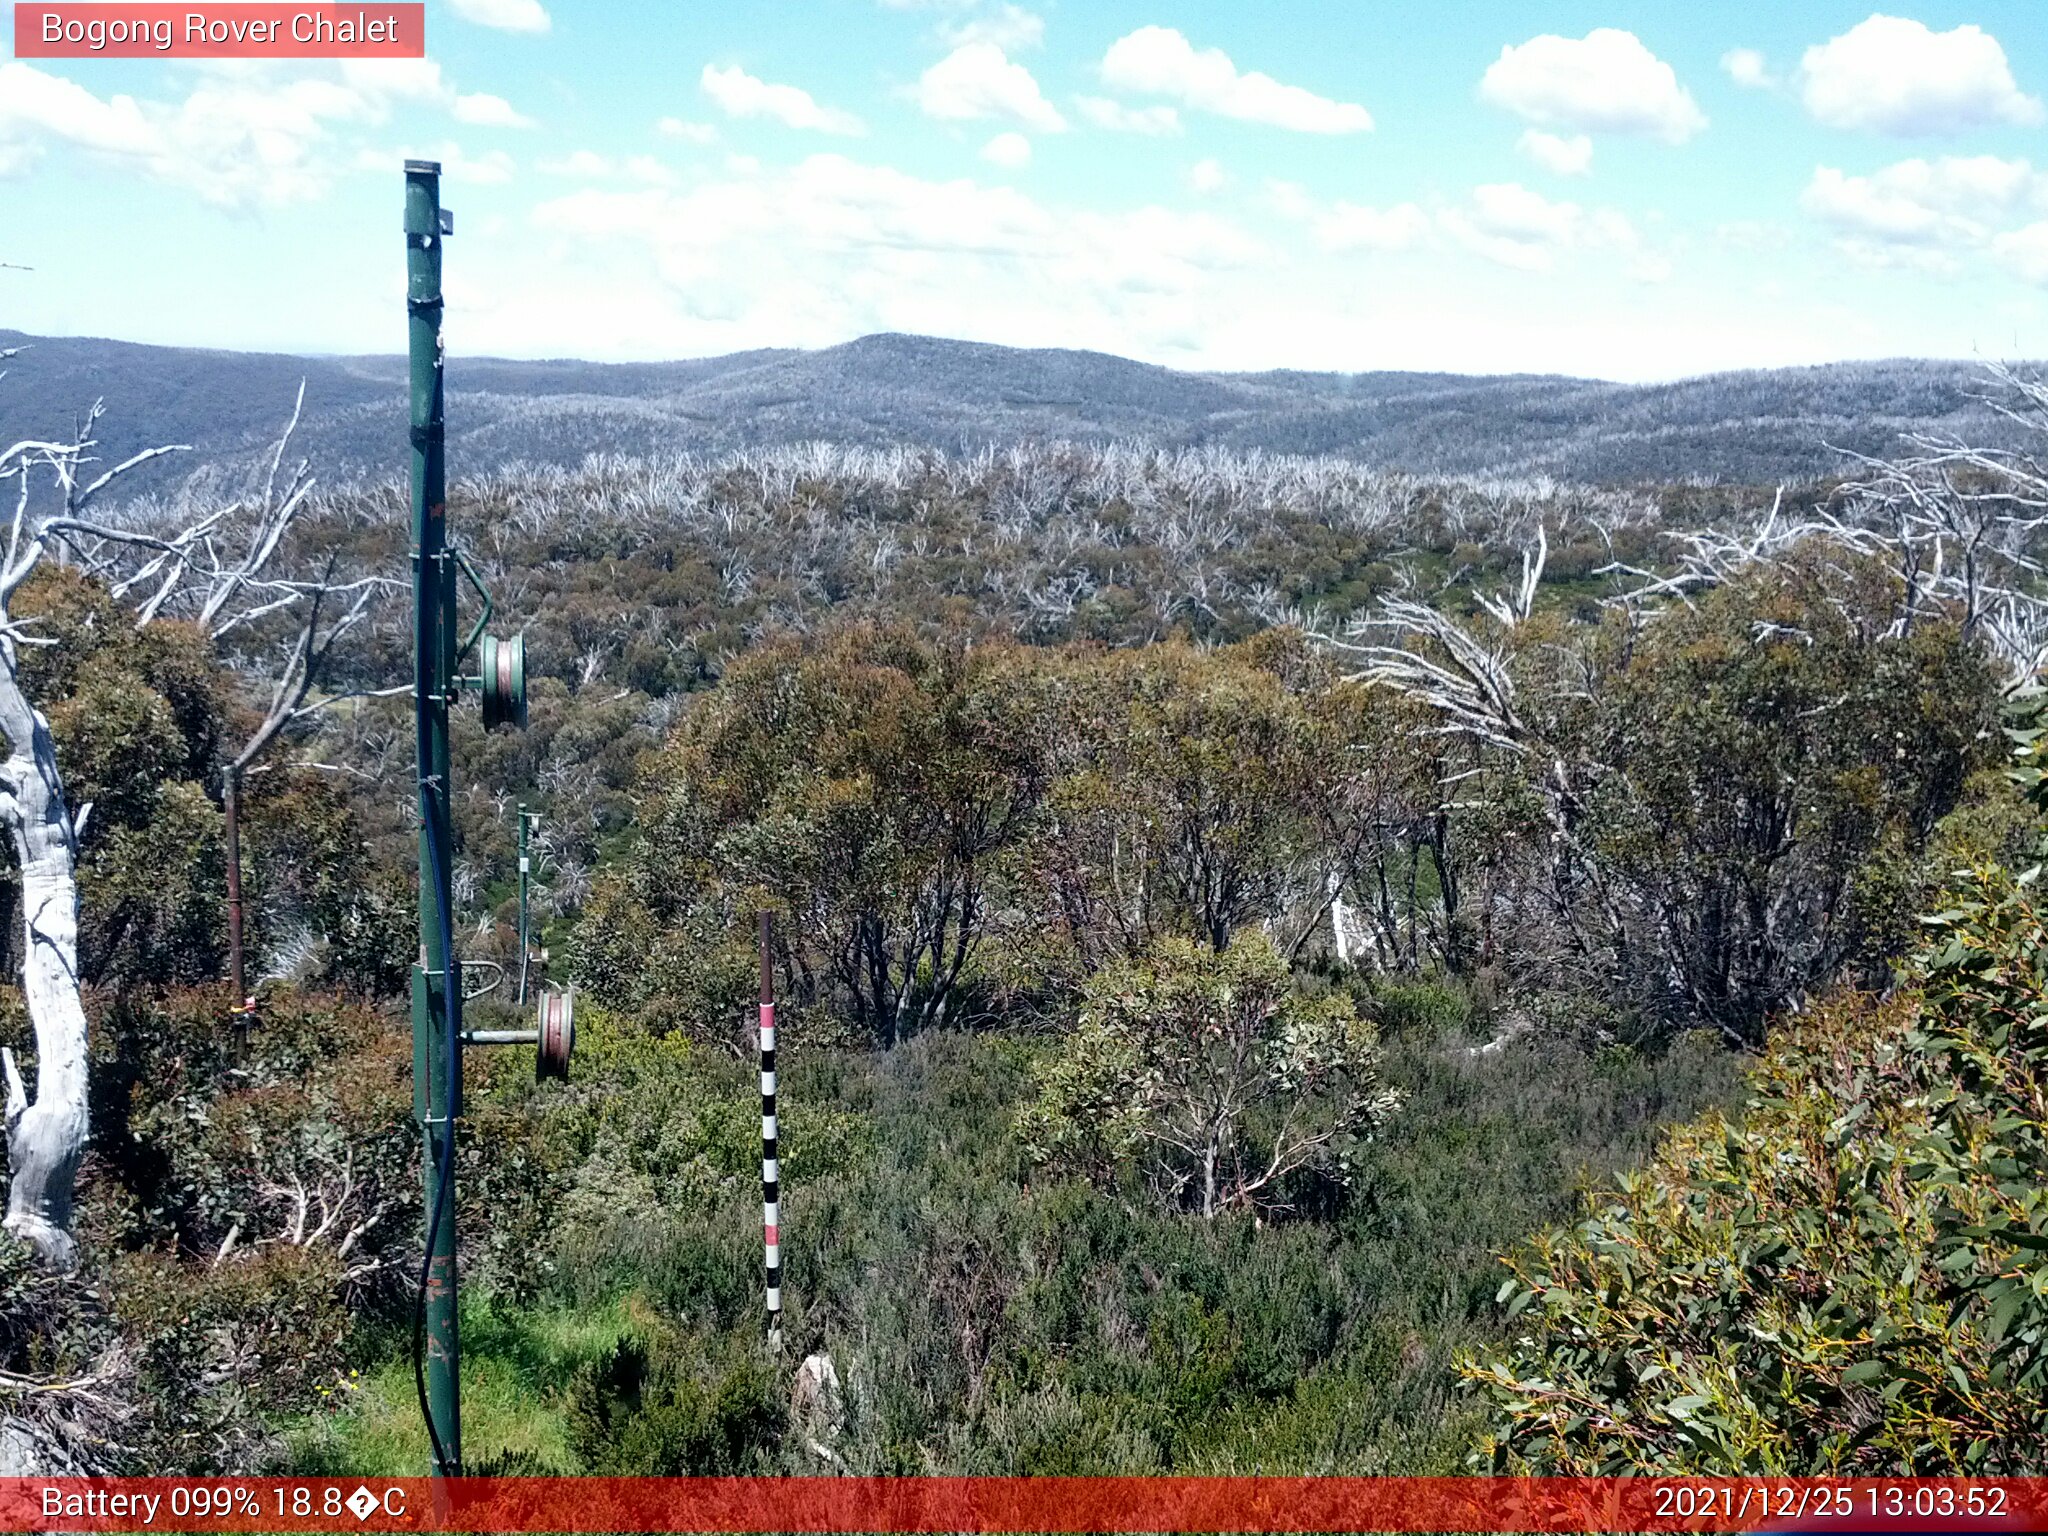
(1631, 190)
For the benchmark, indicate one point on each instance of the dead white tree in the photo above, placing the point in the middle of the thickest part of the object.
(237, 553)
(1461, 672)
(1464, 671)
(1962, 529)
(328, 611)
(187, 570)
(45, 1135)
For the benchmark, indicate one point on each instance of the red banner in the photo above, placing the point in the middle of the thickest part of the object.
(370, 30)
(990, 1504)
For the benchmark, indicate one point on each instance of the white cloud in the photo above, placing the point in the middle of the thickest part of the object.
(1604, 82)
(493, 168)
(387, 80)
(1158, 61)
(843, 204)
(739, 94)
(242, 137)
(830, 248)
(588, 165)
(691, 133)
(458, 166)
(1010, 28)
(1511, 211)
(1884, 256)
(1746, 67)
(977, 80)
(650, 170)
(1155, 120)
(506, 15)
(1207, 177)
(818, 252)
(1752, 235)
(1352, 227)
(1007, 149)
(486, 111)
(1289, 199)
(246, 134)
(1520, 255)
(1502, 222)
(35, 103)
(1507, 223)
(1896, 76)
(1950, 201)
(2024, 252)
(1559, 156)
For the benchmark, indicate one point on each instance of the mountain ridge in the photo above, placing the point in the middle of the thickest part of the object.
(1752, 426)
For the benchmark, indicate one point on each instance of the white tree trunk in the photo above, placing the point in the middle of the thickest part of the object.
(46, 1138)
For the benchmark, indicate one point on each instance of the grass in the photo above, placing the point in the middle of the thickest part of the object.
(516, 1368)
(985, 1320)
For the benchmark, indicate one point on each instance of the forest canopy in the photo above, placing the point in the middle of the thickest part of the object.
(1220, 905)
(1852, 1277)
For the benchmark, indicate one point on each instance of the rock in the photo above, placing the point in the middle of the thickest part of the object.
(817, 1407)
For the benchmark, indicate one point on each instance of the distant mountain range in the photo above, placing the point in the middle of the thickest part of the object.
(1750, 427)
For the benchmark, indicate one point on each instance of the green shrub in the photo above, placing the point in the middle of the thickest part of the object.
(55, 1329)
(224, 1351)
(641, 1413)
(1853, 1277)
(1227, 1084)
(1430, 1008)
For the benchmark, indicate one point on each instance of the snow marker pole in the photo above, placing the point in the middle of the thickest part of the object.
(771, 1183)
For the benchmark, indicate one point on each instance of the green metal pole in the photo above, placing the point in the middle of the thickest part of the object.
(436, 985)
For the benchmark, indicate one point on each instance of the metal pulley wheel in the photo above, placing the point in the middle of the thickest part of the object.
(503, 665)
(557, 1033)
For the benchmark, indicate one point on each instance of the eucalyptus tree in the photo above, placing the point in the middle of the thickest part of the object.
(1213, 1075)
(1737, 771)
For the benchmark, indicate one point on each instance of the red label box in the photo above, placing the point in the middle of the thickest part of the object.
(368, 29)
(932, 1506)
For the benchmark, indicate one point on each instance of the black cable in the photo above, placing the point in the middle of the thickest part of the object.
(437, 857)
(441, 1184)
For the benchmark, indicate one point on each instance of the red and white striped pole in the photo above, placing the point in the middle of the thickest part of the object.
(771, 1201)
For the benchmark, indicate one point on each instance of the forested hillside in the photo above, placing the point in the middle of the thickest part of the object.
(1223, 903)
(1754, 428)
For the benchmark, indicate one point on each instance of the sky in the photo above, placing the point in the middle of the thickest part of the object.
(1630, 189)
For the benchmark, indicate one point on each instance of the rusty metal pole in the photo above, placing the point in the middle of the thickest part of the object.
(231, 810)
